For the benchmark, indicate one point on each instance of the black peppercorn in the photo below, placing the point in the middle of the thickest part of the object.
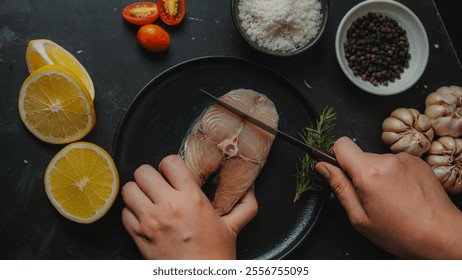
(377, 49)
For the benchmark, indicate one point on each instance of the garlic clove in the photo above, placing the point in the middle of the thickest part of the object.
(444, 109)
(443, 174)
(414, 144)
(440, 96)
(406, 130)
(445, 158)
(389, 137)
(445, 126)
(423, 123)
(451, 145)
(450, 180)
(394, 125)
(439, 160)
(407, 116)
(435, 111)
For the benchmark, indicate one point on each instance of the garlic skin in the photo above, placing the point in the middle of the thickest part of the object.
(406, 130)
(444, 109)
(445, 158)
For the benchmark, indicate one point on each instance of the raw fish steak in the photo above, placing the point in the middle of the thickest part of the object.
(222, 143)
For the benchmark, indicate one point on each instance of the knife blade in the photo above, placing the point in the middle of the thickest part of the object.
(315, 152)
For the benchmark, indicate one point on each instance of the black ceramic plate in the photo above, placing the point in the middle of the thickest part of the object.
(159, 117)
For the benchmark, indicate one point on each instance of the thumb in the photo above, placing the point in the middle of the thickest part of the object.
(242, 212)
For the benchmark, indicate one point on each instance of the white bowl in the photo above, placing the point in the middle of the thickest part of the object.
(322, 25)
(417, 38)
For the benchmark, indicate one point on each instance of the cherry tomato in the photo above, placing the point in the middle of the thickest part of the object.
(141, 13)
(153, 38)
(171, 11)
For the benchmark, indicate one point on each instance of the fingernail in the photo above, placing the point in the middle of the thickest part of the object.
(322, 169)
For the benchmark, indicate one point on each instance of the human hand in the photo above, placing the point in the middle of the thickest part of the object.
(169, 217)
(396, 201)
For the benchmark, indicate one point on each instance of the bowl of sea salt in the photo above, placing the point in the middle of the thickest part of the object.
(280, 27)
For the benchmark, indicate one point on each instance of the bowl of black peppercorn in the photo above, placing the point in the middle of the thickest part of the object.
(382, 47)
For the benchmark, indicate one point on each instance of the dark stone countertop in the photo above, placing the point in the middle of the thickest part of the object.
(30, 228)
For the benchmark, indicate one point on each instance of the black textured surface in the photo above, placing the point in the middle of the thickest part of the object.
(450, 14)
(30, 228)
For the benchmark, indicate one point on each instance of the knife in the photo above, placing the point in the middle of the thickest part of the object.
(315, 152)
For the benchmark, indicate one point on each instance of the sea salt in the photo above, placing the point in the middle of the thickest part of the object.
(280, 25)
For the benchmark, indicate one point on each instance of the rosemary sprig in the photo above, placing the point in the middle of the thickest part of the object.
(318, 136)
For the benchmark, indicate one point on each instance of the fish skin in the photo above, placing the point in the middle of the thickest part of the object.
(219, 141)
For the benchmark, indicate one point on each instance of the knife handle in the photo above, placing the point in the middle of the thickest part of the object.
(325, 156)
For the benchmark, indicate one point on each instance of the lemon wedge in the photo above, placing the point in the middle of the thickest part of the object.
(41, 52)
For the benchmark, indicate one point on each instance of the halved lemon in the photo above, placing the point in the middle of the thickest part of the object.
(41, 52)
(81, 181)
(55, 106)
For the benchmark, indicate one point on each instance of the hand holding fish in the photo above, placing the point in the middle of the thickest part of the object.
(169, 217)
(396, 201)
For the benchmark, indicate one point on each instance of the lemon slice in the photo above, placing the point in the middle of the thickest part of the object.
(42, 52)
(55, 106)
(81, 181)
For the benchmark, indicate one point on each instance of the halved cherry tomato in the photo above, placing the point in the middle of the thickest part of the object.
(141, 13)
(153, 38)
(171, 11)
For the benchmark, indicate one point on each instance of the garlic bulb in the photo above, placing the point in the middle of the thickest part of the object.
(406, 130)
(445, 158)
(444, 109)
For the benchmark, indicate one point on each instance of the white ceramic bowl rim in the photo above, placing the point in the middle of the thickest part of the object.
(415, 32)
